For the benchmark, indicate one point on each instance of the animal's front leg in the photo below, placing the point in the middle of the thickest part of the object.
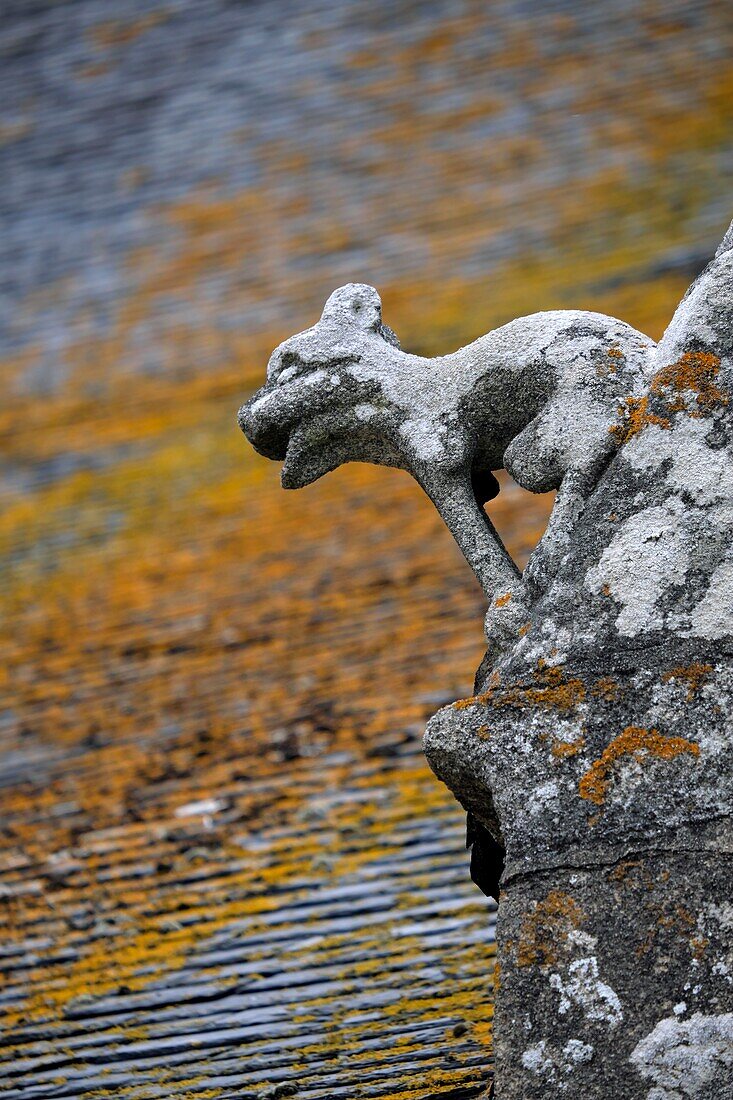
(453, 496)
(474, 532)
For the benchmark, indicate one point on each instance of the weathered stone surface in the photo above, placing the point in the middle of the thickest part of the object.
(597, 754)
(632, 636)
(601, 747)
(613, 980)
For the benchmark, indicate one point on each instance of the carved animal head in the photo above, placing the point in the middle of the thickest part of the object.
(325, 401)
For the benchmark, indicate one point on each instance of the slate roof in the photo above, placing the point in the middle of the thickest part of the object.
(226, 865)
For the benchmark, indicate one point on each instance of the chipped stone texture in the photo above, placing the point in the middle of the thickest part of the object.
(605, 766)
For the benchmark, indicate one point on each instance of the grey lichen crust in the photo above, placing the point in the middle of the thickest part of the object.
(598, 749)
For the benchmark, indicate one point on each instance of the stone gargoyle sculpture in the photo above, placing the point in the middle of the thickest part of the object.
(539, 397)
(595, 758)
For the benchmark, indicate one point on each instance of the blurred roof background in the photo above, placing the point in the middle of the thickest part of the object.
(226, 870)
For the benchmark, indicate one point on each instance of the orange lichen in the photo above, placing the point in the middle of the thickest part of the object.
(502, 601)
(545, 928)
(695, 372)
(698, 946)
(564, 749)
(694, 675)
(635, 416)
(605, 688)
(636, 742)
(552, 691)
(678, 921)
(470, 701)
(611, 365)
(112, 646)
(624, 869)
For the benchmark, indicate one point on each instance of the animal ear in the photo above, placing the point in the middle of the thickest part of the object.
(355, 303)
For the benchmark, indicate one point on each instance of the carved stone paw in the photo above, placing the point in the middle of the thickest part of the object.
(507, 614)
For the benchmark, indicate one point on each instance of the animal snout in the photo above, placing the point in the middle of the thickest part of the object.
(262, 427)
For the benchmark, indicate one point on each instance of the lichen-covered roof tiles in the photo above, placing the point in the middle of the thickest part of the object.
(226, 866)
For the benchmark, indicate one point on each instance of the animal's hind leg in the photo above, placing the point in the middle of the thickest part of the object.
(532, 458)
(575, 488)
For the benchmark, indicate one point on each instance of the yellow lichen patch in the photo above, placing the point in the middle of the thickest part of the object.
(502, 601)
(693, 675)
(635, 416)
(545, 928)
(636, 742)
(695, 372)
(564, 749)
(552, 691)
(471, 701)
